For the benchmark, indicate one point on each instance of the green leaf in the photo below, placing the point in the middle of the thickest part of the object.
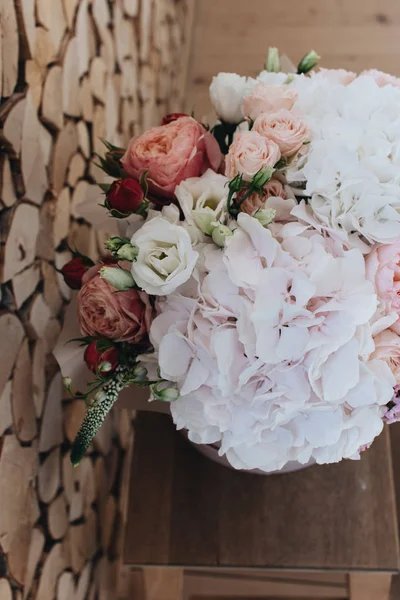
(84, 340)
(85, 259)
(143, 183)
(104, 344)
(118, 215)
(110, 146)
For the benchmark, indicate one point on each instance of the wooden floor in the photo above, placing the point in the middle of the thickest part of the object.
(175, 540)
(197, 585)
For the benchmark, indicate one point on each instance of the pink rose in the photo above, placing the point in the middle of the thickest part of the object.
(272, 189)
(268, 98)
(171, 153)
(387, 348)
(383, 269)
(338, 75)
(287, 130)
(249, 153)
(381, 78)
(121, 316)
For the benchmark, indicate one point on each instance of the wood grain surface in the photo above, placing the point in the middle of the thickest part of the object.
(190, 511)
(232, 35)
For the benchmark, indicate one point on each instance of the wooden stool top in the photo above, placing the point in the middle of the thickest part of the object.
(186, 510)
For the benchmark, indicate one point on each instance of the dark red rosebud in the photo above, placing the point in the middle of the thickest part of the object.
(74, 270)
(94, 358)
(172, 117)
(125, 196)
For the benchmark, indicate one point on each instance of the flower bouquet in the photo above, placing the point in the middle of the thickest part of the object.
(254, 284)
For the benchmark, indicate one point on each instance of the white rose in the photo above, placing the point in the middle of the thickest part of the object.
(227, 91)
(165, 258)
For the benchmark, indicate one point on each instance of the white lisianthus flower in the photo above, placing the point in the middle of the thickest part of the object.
(203, 199)
(165, 257)
(227, 91)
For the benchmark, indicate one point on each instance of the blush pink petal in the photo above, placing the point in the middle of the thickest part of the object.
(171, 153)
(286, 129)
(338, 75)
(102, 312)
(383, 268)
(381, 78)
(213, 151)
(268, 98)
(249, 153)
(272, 189)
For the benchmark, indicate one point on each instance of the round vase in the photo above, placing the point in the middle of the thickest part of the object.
(211, 451)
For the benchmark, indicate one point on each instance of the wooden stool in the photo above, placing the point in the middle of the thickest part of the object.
(198, 530)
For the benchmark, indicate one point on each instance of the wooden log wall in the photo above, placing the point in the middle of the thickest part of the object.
(71, 71)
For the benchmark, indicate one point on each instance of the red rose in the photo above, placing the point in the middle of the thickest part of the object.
(95, 357)
(125, 196)
(172, 117)
(74, 270)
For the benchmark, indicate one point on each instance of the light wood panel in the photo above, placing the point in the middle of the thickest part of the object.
(169, 583)
(232, 35)
(364, 586)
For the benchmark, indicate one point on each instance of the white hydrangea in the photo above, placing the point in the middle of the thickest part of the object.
(270, 348)
(351, 172)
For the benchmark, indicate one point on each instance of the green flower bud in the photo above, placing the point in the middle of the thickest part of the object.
(308, 62)
(127, 252)
(168, 395)
(204, 218)
(105, 367)
(265, 216)
(219, 233)
(261, 178)
(68, 383)
(120, 279)
(115, 243)
(236, 183)
(139, 372)
(272, 64)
